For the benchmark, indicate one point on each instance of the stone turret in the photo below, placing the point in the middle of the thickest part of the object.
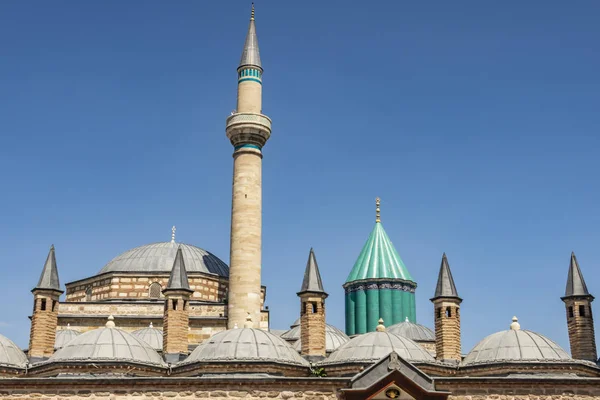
(580, 319)
(312, 312)
(248, 130)
(446, 315)
(45, 311)
(176, 312)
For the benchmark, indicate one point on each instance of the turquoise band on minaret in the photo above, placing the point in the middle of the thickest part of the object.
(248, 146)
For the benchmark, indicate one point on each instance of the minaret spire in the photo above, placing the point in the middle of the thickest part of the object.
(445, 285)
(312, 277)
(575, 283)
(251, 54)
(49, 277)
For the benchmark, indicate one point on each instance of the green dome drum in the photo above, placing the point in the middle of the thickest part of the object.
(379, 285)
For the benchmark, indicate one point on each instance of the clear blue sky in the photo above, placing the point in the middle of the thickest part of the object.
(476, 123)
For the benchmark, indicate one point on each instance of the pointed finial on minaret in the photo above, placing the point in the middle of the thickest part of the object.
(111, 322)
(252, 14)
(380, 326)
(377, 210)
(173, 229)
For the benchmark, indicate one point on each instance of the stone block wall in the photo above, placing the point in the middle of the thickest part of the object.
(312, 326)
(580, 323)
(43, 324)
(175, 325)
(447, 330)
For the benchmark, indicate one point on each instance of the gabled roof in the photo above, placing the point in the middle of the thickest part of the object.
(251, 54)
(49, 277)
(575, 283)
(178, 280)
(312, 277)
(379, 259)
(445, 284)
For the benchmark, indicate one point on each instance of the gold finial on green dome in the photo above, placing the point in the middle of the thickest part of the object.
(377, 210)
(252, 14)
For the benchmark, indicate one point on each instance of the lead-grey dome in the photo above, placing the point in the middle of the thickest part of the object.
(334, 338)
(159, 257)
(63, 337)
(372, 346)
(107, 344)
(10, 354)
(515, 345)
(247, 344)
(150, 335)
(412, 331)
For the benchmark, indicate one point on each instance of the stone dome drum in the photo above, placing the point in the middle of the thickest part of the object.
(10, 354)
(515, 345)
(246, 345)
(373, 346)
(412, 331)
(159, 257)
(107, 345)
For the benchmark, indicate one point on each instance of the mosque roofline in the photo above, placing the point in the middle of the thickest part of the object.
(377, 280)
(157, 317)
(142, 274)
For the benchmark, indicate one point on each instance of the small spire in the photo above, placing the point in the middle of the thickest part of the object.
(248, 323)
(312, 277)
(68, 326)
(575, 283)
(377, 210)
(515, 326)
(445, 285)
(380, 326)
(178, 280)
(111, 322)
(406, 320)
(173, 229)
(251, 53)
(150, 326)
(49, 277)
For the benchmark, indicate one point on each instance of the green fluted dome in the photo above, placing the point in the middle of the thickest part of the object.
(378, 259)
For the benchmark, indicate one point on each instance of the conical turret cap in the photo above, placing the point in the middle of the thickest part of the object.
(49, 277)
(251, 54)
(575, 283)
(178, 279)
(445, 284)
(312, 277)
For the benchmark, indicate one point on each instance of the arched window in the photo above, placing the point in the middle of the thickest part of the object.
(155, 290)
(88, 294)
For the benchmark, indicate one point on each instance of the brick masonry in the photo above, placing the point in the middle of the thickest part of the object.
(43, 324)
(312, 325)
(175, 324)
(582, 338)
(447, 329)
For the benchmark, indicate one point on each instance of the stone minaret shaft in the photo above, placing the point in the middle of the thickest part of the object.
(580, 320)
(45, 311)
(446, 316)
(248, 130)
(312, 312)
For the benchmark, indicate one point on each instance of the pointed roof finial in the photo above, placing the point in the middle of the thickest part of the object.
(406, 320)
(173, 229)
(68, 326)
(377, 210)
(49, 277)
(575, 283)
(111, 322)
(178, 280)
(445, 285)
(150, 326)
(248, 323)
(251, 53)
(312, 277)
(380, 326)
(515, 326)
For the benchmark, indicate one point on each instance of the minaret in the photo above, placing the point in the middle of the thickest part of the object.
(580, 320)
(312, 312)
(447, 315)
(248, 130)
(176, 312)
(45, 311)
(379, 285)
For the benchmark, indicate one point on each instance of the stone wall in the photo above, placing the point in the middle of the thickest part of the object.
(447, 330)
(43, 324)
(312, 323)
(580, 323)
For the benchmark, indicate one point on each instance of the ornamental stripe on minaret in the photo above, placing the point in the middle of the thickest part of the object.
(248, 130)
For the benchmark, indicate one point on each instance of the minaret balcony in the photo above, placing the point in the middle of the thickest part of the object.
(248, 128)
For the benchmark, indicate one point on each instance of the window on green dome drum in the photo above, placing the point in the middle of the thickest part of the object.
(154, 291)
